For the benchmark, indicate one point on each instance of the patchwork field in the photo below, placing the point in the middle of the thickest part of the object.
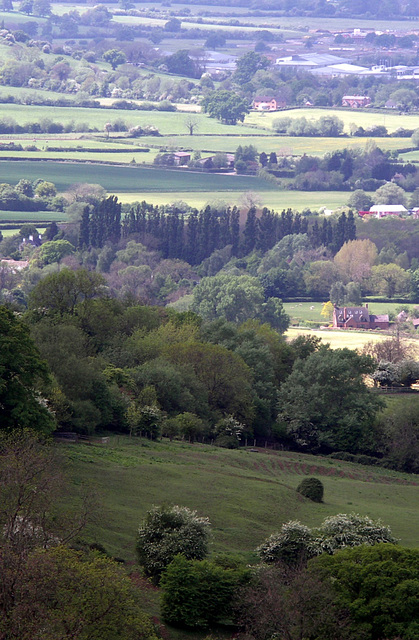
(276, 200)
(161, 186)
(167, 122)
(337, 339)
(119, 179)
(282, 145)
(391, 121)
(247, 495)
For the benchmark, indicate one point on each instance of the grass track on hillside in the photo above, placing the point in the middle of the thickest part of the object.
(246, 495)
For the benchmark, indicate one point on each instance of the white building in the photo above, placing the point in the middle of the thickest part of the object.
(383, 210)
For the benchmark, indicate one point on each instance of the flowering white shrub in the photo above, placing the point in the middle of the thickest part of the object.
(296, 542)
(167, 532)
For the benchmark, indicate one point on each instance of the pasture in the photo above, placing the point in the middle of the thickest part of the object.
(163, 186)
(105, 156)
(365, 118)
(167, 122)
(336, 339)
(343, 338)
(246, 495)
(298, 24)
(288, 26)
(263, 140)
(311, 311)
(12, 232)
(135, 179)
(274, 199)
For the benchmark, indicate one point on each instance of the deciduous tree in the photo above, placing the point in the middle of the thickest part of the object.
(378, 585)
(226, 106)
(23, 377)
(167, 532)
(115, 57)
(355, 260)
(324, 404)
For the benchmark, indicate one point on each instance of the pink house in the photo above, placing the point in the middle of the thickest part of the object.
(268, 103)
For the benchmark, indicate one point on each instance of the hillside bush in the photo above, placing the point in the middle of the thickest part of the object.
(311, 488)
(295, 543)
(167, 532)
(198, 593)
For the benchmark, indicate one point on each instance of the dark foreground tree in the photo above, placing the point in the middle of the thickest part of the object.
(291, 604)
(199, 593)
(379, 586)
(61, 594)
(33, 520)
(23, 377)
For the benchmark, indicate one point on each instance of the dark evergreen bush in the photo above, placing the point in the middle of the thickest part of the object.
(311, 488)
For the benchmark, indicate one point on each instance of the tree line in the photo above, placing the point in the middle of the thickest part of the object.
(194, 237)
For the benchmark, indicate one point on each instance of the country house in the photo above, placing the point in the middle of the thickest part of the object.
(358, 318)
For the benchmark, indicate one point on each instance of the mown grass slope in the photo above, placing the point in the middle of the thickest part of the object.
(247, 495)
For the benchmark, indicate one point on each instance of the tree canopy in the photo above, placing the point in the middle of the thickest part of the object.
(23, 378)
(226, 106)
(167, 532)
(324, 404)
(378, 585)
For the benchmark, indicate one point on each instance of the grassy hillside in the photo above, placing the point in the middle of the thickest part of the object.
(247, 495)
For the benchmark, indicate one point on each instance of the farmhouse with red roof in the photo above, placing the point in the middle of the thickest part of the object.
(358, 318)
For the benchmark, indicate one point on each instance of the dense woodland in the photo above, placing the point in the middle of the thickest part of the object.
(103, 301)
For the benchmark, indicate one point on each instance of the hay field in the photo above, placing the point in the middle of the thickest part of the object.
(338, 339)
(391, 121)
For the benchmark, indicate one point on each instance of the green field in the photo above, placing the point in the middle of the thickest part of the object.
(298, 24)
(391, 121)
(83, 157)
(291, 26)
(282, 145)
(167, 122)
(163, 186)
(133, 179)
(411, 156)
(276, 200)
(28, 92)
(208, 144)
(12, 232)
(246, 495)
(311, 311)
